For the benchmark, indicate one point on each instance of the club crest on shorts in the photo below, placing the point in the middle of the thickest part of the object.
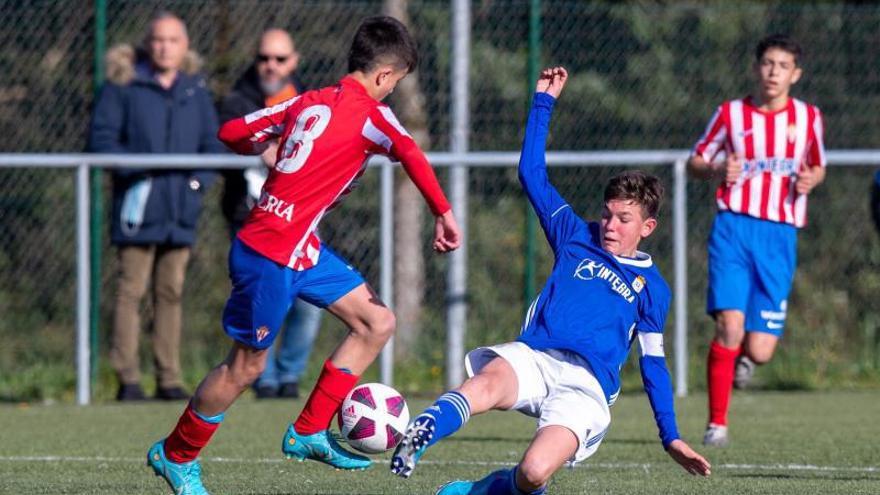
(262, 333)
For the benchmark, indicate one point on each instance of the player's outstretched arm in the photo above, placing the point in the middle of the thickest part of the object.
(688, 458)
(658, 384)
(447, 236)
(553, 211)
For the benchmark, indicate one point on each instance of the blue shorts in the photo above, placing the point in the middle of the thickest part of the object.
(263, 290)
(751, 268)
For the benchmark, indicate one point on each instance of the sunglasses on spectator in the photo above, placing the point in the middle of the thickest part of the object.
(278, 58)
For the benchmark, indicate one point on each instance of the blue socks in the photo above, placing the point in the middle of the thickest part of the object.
(450, 412)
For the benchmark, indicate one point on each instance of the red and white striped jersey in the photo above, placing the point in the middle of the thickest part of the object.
(327, 135)
(774, 145)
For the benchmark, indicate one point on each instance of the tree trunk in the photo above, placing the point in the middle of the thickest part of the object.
(409, 264)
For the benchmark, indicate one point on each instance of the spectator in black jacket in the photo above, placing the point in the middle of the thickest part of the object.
(269, 81)
(154, 101)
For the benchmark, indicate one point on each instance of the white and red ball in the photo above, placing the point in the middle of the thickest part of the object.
(373, 417)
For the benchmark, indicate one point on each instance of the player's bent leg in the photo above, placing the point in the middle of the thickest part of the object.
(222, 386)
(552, 446)
(370, 325)
(175, 457)
(760, 346)
(309, 437)
(494, 386)
(758, 349)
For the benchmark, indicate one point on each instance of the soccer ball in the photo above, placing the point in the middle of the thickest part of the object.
(373, 418)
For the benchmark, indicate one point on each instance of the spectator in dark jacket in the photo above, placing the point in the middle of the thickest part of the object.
(153, 102)
(269, 81)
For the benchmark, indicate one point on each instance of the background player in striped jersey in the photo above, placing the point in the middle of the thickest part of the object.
(602, 295)
(326, 137)
(767, 151)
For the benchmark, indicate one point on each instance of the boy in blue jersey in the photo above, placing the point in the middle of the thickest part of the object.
(564, 368)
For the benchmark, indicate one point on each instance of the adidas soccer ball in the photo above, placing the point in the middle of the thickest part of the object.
(373, 417)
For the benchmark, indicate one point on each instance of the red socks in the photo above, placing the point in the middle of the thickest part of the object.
(191, 434)
(722, 361)
(332, 387)
(194, 431)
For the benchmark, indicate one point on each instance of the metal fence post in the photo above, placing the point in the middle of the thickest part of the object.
(82, 285)
(533, 66)
(386, 268)
(679, 241)
(97, 197)
(456, 280)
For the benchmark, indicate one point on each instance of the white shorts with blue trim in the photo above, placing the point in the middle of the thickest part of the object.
(556, 387)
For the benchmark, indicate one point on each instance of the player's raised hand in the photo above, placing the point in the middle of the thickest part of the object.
(551, 81)
(689, 459)
(733, 166)
(807, 178)
(447, 237)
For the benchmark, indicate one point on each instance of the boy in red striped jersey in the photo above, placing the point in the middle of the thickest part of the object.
(767, 151)
(322, 141)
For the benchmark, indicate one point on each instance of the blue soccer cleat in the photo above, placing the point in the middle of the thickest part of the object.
(412, 446)
(184, 478)
(461, 487)
(321, 447)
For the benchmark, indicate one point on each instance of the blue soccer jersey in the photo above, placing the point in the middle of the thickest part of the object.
(594, 303)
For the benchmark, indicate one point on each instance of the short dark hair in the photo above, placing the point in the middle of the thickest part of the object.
(781, 41)
(635, 185)
(382, 40)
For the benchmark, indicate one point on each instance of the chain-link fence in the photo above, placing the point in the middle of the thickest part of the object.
(644, 75)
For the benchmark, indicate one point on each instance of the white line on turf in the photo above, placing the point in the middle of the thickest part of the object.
(588, 465)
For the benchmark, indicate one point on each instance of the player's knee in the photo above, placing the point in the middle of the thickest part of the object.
(246, 371)
(381, 326)
(729, 328)
(760, 356)
(535, 471)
